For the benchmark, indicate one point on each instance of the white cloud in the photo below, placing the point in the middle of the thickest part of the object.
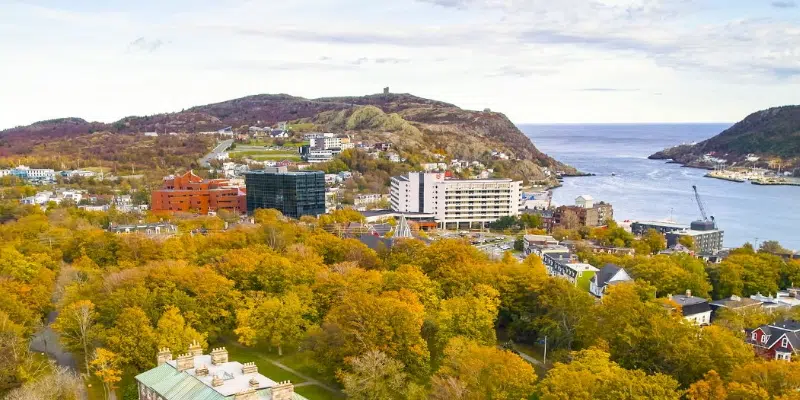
(536, 60)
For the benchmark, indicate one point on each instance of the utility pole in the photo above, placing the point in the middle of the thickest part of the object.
(544, 360)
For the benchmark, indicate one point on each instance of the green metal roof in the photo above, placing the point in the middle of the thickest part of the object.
(174, 385)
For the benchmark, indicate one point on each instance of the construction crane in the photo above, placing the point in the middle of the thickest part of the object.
(700, 204)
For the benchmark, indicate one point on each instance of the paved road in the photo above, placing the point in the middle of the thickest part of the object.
(221, 147)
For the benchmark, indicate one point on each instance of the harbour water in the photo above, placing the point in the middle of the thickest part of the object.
(642, 189)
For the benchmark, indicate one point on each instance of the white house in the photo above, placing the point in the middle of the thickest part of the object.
(694, 309)
(584, 201)
(608, 275)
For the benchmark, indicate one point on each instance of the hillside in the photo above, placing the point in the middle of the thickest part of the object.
(411, 123)
(768, 134)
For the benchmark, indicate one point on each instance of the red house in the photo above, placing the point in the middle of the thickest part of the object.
(779, 341)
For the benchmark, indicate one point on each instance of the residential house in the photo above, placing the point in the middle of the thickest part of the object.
(735, 303)
(783, 299)
(694, 309)
(609, 275)
(779, 341)
(529, 241)
(161, 228)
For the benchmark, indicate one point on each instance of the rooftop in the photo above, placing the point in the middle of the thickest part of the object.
(291, 173)
(581, 267)
(789, 325)
(665, 224)
(230, 372)
(735, 302)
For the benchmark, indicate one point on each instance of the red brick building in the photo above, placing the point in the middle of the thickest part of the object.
(191, 193)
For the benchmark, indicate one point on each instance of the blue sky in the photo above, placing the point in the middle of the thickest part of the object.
(536, 60)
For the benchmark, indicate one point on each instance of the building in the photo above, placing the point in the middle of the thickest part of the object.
(609, 275)
(694, 309)
(536, 200)
(294, 194)
(530, 241)
(362, 201)
(455, 203)
(431, 167)
(735, 303)
(783, 299)
(779, 341)
(212, 376)
(579, 274)
(191, 193)
(588, 212)
(705, 235)
(325, 141)
(639, 228)
(147, 229)
(33, 174)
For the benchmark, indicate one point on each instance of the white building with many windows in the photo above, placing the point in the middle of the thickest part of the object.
(455, 203)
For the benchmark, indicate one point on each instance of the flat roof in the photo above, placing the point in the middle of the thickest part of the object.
(234, 381)
(582, 267)
(662, 223)
(260, 172)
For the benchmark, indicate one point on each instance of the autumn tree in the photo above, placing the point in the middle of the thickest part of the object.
(472, 317)
(592, 376)
(278, 321)
(483, 372)
(173, 332)
(361, 322)
(655, 240)
(76, 325)
(137, 351)
(711, 387)
(106, 367)
(60, 384)
(687, 241)
(374, 375)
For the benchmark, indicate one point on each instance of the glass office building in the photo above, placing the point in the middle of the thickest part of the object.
(293, 193)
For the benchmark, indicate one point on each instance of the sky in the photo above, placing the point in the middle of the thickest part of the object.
(537, 61)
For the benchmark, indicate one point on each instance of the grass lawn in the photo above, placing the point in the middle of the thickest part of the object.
(94, 388)
(314, 392)
(265, 367)
(303, 363)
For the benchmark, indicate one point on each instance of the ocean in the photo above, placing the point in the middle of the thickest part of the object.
(642, 189)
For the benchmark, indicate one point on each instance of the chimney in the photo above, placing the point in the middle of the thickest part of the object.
(253, 383)
(283, 391)
(164, 355)
(184, 362)
(249, 368)
(217, 381)
(219, 356)
(195, 349)
(201, 371)
(247, 394)
(688, 293)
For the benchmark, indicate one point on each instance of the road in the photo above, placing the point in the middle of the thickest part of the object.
(221, 147)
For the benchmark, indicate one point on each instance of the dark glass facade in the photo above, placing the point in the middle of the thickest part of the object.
(293, 193)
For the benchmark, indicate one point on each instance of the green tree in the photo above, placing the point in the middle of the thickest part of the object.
(139, 350)
(655, 240)
(483, 372)
(592, 376)
(687, 241)
(173, 332)
(278, 321)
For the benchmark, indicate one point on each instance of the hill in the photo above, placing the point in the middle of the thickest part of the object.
(412, 124)
(768, 134)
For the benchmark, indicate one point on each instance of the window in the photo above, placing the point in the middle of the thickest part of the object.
(755, 336)
(764, 339)
(785, 342)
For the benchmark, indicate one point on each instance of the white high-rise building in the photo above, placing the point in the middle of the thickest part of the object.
(455, 203)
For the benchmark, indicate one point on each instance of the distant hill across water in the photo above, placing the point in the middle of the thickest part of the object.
(772, 135)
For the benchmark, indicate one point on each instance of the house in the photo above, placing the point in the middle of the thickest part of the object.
(147, 229)
(779, 341)
(608, 275)
(195, 375)
(783, 299)
(735, 303)
(694, 309)
(537, 240)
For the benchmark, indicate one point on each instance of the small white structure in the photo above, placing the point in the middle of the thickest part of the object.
(584, 201)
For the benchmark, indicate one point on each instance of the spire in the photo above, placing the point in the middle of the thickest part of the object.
(402, 230)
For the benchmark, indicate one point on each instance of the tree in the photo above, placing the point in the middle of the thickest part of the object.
(591, 375)
(776, 377)
(710, 388)
(472, 317)
(390, 322)
(137, 351)
(687, 241)
(570, 220)
(76, 324)
(532, 221)
(60, 384)
(106, 367)
(655, 240)
(772, 247)
(173, 332)
(279, 321)
(374, 375)
(483, 372)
